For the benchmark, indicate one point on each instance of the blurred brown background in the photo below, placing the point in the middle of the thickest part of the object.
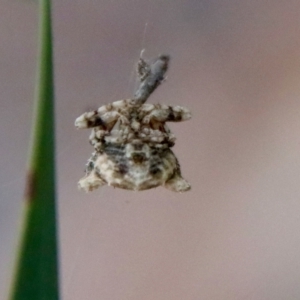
(236, 65)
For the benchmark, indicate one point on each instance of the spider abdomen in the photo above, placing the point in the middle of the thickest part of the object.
(135, 166)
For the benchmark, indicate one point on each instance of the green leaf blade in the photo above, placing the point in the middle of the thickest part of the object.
(36, 274)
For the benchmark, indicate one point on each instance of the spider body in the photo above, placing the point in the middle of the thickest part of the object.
(132, 144)
(132, 140)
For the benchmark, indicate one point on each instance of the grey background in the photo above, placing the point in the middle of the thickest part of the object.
(236, 65)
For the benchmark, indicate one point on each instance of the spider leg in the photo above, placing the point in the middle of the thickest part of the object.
(94, 119)
(165, 113)
(97, 136)
(143, 68)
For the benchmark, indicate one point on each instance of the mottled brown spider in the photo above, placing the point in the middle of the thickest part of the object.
(132, 141)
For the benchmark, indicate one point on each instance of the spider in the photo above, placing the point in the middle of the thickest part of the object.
(132, 141)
